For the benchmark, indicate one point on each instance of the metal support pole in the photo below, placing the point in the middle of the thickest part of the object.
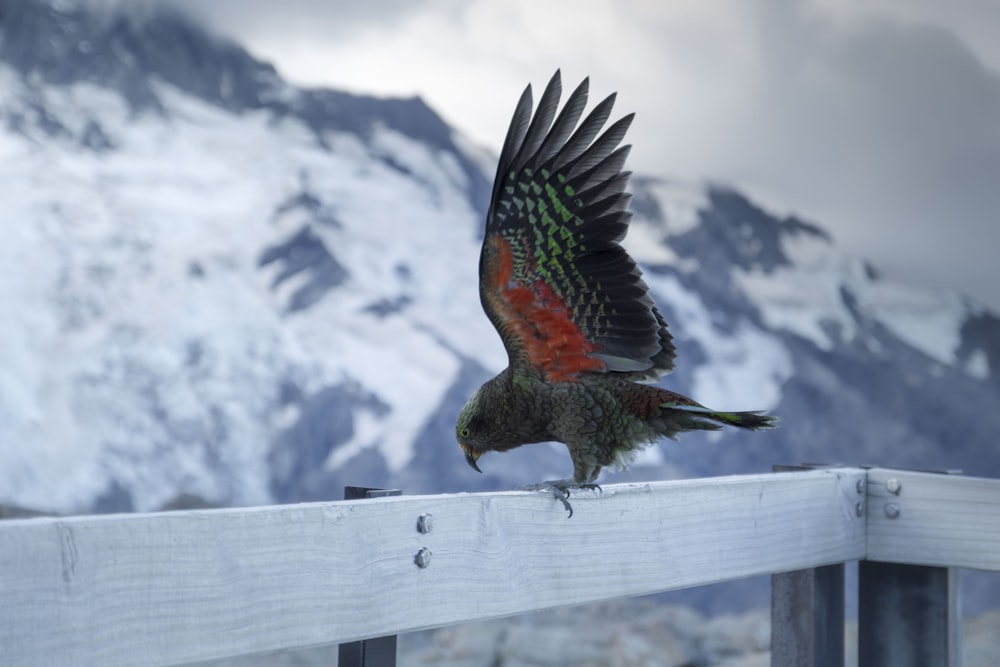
(908, 616)
(379, 651)
(807, 617)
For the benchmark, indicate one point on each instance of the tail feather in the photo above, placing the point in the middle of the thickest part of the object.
(752, 419)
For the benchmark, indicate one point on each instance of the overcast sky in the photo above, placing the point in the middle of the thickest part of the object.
(878, 119)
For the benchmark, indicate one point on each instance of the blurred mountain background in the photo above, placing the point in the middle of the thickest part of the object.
(224, 287)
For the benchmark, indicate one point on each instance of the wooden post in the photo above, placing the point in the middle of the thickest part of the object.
(379, 651)
(807, 608)
(908, 607)
(907, 616)
(807, 617)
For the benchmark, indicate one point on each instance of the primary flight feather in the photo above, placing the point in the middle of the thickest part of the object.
(580, 329)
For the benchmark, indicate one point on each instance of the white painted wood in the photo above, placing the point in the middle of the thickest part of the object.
(182, 586)
(941, 520)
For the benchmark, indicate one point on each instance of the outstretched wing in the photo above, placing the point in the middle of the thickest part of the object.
(563, 294)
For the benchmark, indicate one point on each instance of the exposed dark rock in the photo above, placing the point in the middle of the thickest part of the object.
(305, 253)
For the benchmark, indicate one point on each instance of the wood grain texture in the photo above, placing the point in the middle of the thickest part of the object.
(176, 587)
(942, 520)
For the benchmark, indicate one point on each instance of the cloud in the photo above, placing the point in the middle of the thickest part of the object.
(886, 130)
(309, 20)
(879, 119)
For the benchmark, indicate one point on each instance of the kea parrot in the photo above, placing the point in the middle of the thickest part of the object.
(583, 337)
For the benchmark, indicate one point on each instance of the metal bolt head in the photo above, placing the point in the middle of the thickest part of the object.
(893, 486)
(892, 510)
(425, 523)
(423, 557)
(859, 509)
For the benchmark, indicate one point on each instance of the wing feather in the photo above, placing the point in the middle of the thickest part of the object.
(565, 123)
(563, 294)
(540, 123)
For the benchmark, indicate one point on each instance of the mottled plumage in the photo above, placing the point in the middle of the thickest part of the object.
(580, 329)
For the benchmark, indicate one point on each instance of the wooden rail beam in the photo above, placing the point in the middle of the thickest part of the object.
(921, 518)
(179, 587)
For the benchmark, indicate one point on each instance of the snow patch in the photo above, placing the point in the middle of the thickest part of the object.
(681, 203)
(744, 371)
(150, 348)
(805, 298)
(645, 243)
(928, 320)
(808, 298)
(977, 365)
(367, 429)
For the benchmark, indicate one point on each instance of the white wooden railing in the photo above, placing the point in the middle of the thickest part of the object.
(184, 586)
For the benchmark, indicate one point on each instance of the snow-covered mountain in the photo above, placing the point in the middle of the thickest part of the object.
(219, 284)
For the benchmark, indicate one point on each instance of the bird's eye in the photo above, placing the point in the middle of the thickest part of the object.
(464, 433)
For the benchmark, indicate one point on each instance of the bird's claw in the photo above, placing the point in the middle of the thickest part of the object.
(560, 490)
(562, 495)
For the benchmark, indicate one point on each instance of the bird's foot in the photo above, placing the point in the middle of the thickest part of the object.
(560, 489)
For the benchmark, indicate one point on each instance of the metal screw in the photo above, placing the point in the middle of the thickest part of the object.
(892, 510)
(861, 486)
(893, 486)
(425, 523)
(423, 557)
(859, 509)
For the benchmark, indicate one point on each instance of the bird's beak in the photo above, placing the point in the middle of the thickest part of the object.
(471, 457)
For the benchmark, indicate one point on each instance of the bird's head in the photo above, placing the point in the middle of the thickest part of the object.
(468, 430)
(487, 422)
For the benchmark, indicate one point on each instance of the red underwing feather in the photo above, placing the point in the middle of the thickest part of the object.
(535, 323)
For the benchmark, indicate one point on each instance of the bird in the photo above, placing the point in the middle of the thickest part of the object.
(583, 337)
